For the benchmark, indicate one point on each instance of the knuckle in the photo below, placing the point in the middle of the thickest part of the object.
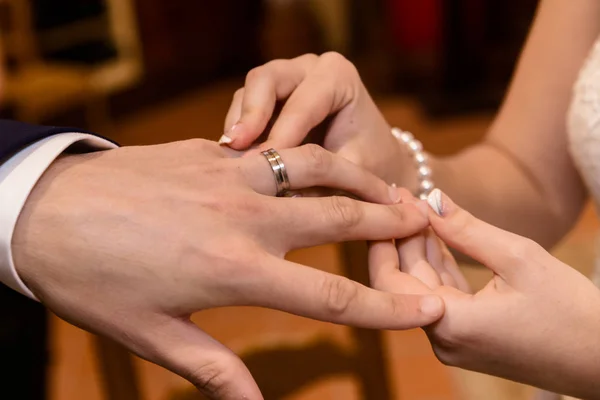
(199, 149)
(238, 95)
(398, 213)
(336, 60)
(319, 160)
(310, 57)
(340, 293)
(344, 212)
(524, 250)
(333, 57)
(198, 144)
(381, 281)
(274, 65)
(397, 308)
(255, 73)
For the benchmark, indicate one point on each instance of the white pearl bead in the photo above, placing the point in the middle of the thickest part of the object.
(415, 146)
(397, 133)
(423, 196)
(424, 172)
(421, 158)
(426, 185)
(406, 137)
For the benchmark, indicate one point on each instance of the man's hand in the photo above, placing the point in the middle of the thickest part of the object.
(129, 242)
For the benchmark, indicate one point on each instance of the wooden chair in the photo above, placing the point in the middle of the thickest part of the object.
(39, 89)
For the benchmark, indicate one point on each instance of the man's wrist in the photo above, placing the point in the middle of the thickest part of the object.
(20, 176)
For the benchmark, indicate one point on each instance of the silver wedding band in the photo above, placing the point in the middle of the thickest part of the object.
(282, 183)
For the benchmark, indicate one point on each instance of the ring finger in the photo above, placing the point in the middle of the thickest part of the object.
(312, 166)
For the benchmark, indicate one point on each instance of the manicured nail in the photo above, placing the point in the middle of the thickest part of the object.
(435, 201)
(232, 131)
(395, 195)
(229, 136)
(225, 139)
(431, 306)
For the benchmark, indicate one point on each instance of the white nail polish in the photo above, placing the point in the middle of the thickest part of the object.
(225, 139)
(435, 201)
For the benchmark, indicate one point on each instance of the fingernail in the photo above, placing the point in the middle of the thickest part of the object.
(431, 306)
(435, 201)
(225, 139)
(394, 193)
(232, 131)
(229, 136)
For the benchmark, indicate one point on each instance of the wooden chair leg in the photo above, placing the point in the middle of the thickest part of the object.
(371, 362)
(117, 371)
(371, 365)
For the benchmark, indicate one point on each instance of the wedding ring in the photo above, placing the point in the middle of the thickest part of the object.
(282, 182)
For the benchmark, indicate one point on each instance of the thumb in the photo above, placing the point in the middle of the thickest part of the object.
(216, 371)
(503, 252)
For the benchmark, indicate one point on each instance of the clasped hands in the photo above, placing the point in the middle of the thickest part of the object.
(536, 321)
(130, 242)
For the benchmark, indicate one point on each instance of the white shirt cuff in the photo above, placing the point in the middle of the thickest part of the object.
(18, 176)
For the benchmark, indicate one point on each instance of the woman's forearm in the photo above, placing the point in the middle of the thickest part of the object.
(521, 177)
(493, 186)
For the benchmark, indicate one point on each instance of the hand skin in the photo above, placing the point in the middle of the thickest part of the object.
(536, 322)
(520, 177)
(129, 242)
(313, 88)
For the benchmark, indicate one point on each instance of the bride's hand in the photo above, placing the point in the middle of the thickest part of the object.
(312, 88)
(418, 264)
(537, 321)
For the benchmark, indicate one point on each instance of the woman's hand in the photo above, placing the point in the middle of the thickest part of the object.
(418, 264)
(537, 321)
(311, 89)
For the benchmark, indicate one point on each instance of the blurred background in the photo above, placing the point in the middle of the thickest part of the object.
(151, 71)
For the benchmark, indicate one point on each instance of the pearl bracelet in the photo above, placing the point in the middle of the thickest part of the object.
(415, 148)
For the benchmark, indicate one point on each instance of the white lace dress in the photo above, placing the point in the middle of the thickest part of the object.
(583, 127)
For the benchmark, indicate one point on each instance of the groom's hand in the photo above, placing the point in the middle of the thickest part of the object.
(129, 242)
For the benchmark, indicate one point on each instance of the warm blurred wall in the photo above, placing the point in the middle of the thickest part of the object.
(187, 42)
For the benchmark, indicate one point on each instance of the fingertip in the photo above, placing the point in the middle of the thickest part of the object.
(432, 307)
(423, 208)
(239, 137)
(417, 213)
(434, 200)
(394, 195)
(406, 195)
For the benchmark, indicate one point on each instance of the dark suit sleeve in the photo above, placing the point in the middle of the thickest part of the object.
(15, 136)
(24, 322)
